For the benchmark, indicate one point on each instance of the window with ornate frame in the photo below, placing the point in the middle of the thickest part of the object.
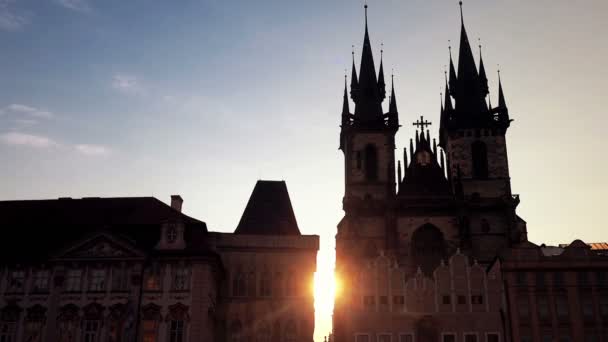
(120, 278)
(290, 284)
(239, 285)
(150, 320)
(97, 280)
(9, 316)
(73, 280)
(181, 279)
(178, 318)
(16, 281)
(265, 285)
(68, 323)
(41, 281)
(34, 323)
(153, 278)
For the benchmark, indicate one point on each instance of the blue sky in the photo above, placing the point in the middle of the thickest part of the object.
(202, 98)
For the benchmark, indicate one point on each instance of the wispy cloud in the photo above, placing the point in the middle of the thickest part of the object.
(92, 150)
(127, 84)
(29, 111)
(30, 140)
(75, 5)
(10, 20)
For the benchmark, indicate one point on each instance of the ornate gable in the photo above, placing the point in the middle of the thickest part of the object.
(102, 246)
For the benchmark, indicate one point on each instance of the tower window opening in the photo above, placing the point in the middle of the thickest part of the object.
(480, 160)
(371, 163)
(359, 160)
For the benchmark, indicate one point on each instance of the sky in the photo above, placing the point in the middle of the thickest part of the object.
(203, 98)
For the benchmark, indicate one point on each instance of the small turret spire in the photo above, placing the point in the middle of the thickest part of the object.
(381, 83)
(447, 102)
(483, 79)
(399, 178)
(442, 161)
(501, 96)
(392, 106)
(345, 106)
(435, 147)
(412, 148)
(461, 15)
(453, 77)
(405, 158)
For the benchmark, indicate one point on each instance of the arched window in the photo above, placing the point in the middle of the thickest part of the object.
(371, 163)
(428, 248)
(178, 318)
(479, 153)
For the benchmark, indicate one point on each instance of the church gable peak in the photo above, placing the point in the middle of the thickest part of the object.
(101, 246)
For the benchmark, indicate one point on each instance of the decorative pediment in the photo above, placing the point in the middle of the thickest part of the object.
(102, 246)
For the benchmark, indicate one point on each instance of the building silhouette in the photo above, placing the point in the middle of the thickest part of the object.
(136, 269)
(430, 245)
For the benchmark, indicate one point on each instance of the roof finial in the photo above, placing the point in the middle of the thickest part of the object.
(365, 7)
(461, 15)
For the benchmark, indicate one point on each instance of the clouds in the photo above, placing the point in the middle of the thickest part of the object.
(28, 111)
(75, 5)
(92, 150)
(127, 84)
(24, 139)
(10, 18)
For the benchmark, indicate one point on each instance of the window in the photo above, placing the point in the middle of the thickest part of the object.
(446, 299)
(8, 332)
(406, 338)
(477, 299)
(180, 278)
(371, 163)
(602, 278)
(540, 280)
(521, 279)
(264, 334)
(470, 337)
(561, 306)
(176, 331)
(591, 337)
(120, 279)
(462, 300)
(428, 248)
(384, 338)
(153, 278)
(291, 284)
(398, 300)
(448, 337)
(33, 331)
(526, 338)
(41, 281)
(239, 285)
(16, 281)
(359, 160)
(583, 278)
(290, 333)
(523, 309)
(149, 328)
(604, 306)
(480, 160)
(251, 284)
(543, 307)
(265, 285)
(383, 300)
(492, 337)
(369, 301)
(91, 331)
(547, 338)
(587, 306)
(97, 280)
(558, 279)
(171, 233)
(565, 338)
(73, 280)
(362, 338)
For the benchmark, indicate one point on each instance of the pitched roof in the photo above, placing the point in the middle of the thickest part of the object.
(38, 227)
(269, 211)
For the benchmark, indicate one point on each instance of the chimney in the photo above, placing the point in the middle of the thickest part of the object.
(176, 202)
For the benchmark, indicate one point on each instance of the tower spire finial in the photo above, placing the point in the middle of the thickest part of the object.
(365, 7)
(461, 15)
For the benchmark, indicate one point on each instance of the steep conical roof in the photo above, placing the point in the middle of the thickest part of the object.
(483, 79)
(392, 106)
(345, 106)
(268, 211)
(501, 96)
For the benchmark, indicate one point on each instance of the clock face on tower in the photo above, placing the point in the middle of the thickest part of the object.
(171, 233)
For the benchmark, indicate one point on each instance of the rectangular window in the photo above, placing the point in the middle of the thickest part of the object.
(91, 331)
(591, 337)
(73, 280)
(543, 307)
(583, 278)
(540, 280)
(558, 279)
(561, 306)
(369, 301)
(523, 309)
(521, 279)
(384, 338)
(565, 339)
(462, 300)
(153, 278)
(8, 332)
(547, 338)
(587, 306)
(383, 300)
(446, 299)
(97, 280)
(362, 338)
(406, 338)
(477, 299)
(470, 337)
(176, 331)
(16, 281)
(492, 337)
(149, 329)
(448, 337)
(41, 281)
(602, 278)
(32, 331)
(120, 279)
(180, 279)
(398, 300)
(604, 306)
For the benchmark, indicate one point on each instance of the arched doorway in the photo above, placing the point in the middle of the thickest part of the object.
(428, 248)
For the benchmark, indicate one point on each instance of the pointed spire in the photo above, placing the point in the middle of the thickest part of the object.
(381, 83)
(353, 77)
(399, 173)
(428, 137)
(417, 139)
(392, 106)
(412, 148)
(345, 106)
(466, 62)
(405, 158)
(435, 147)
(483, 79)
(369, 102)
(442, 161)
(501, 96)
(447, 102)
(453, 77)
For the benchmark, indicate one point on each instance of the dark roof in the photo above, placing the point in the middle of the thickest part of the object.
(426, 179)
(269, 211)
(34, 229)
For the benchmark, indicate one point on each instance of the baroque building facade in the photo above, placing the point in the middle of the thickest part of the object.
(425, 249)
(136, 269)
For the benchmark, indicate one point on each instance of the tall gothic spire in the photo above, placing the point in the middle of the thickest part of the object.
(502, 104)
(453, 77)
(368, 102)
(483, 79)
(345, 106)
(354, 84)
(392, 106)
(381, 83)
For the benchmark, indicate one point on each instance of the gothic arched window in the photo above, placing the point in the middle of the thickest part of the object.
(479, 153)
(371, 163)
(428, 248)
